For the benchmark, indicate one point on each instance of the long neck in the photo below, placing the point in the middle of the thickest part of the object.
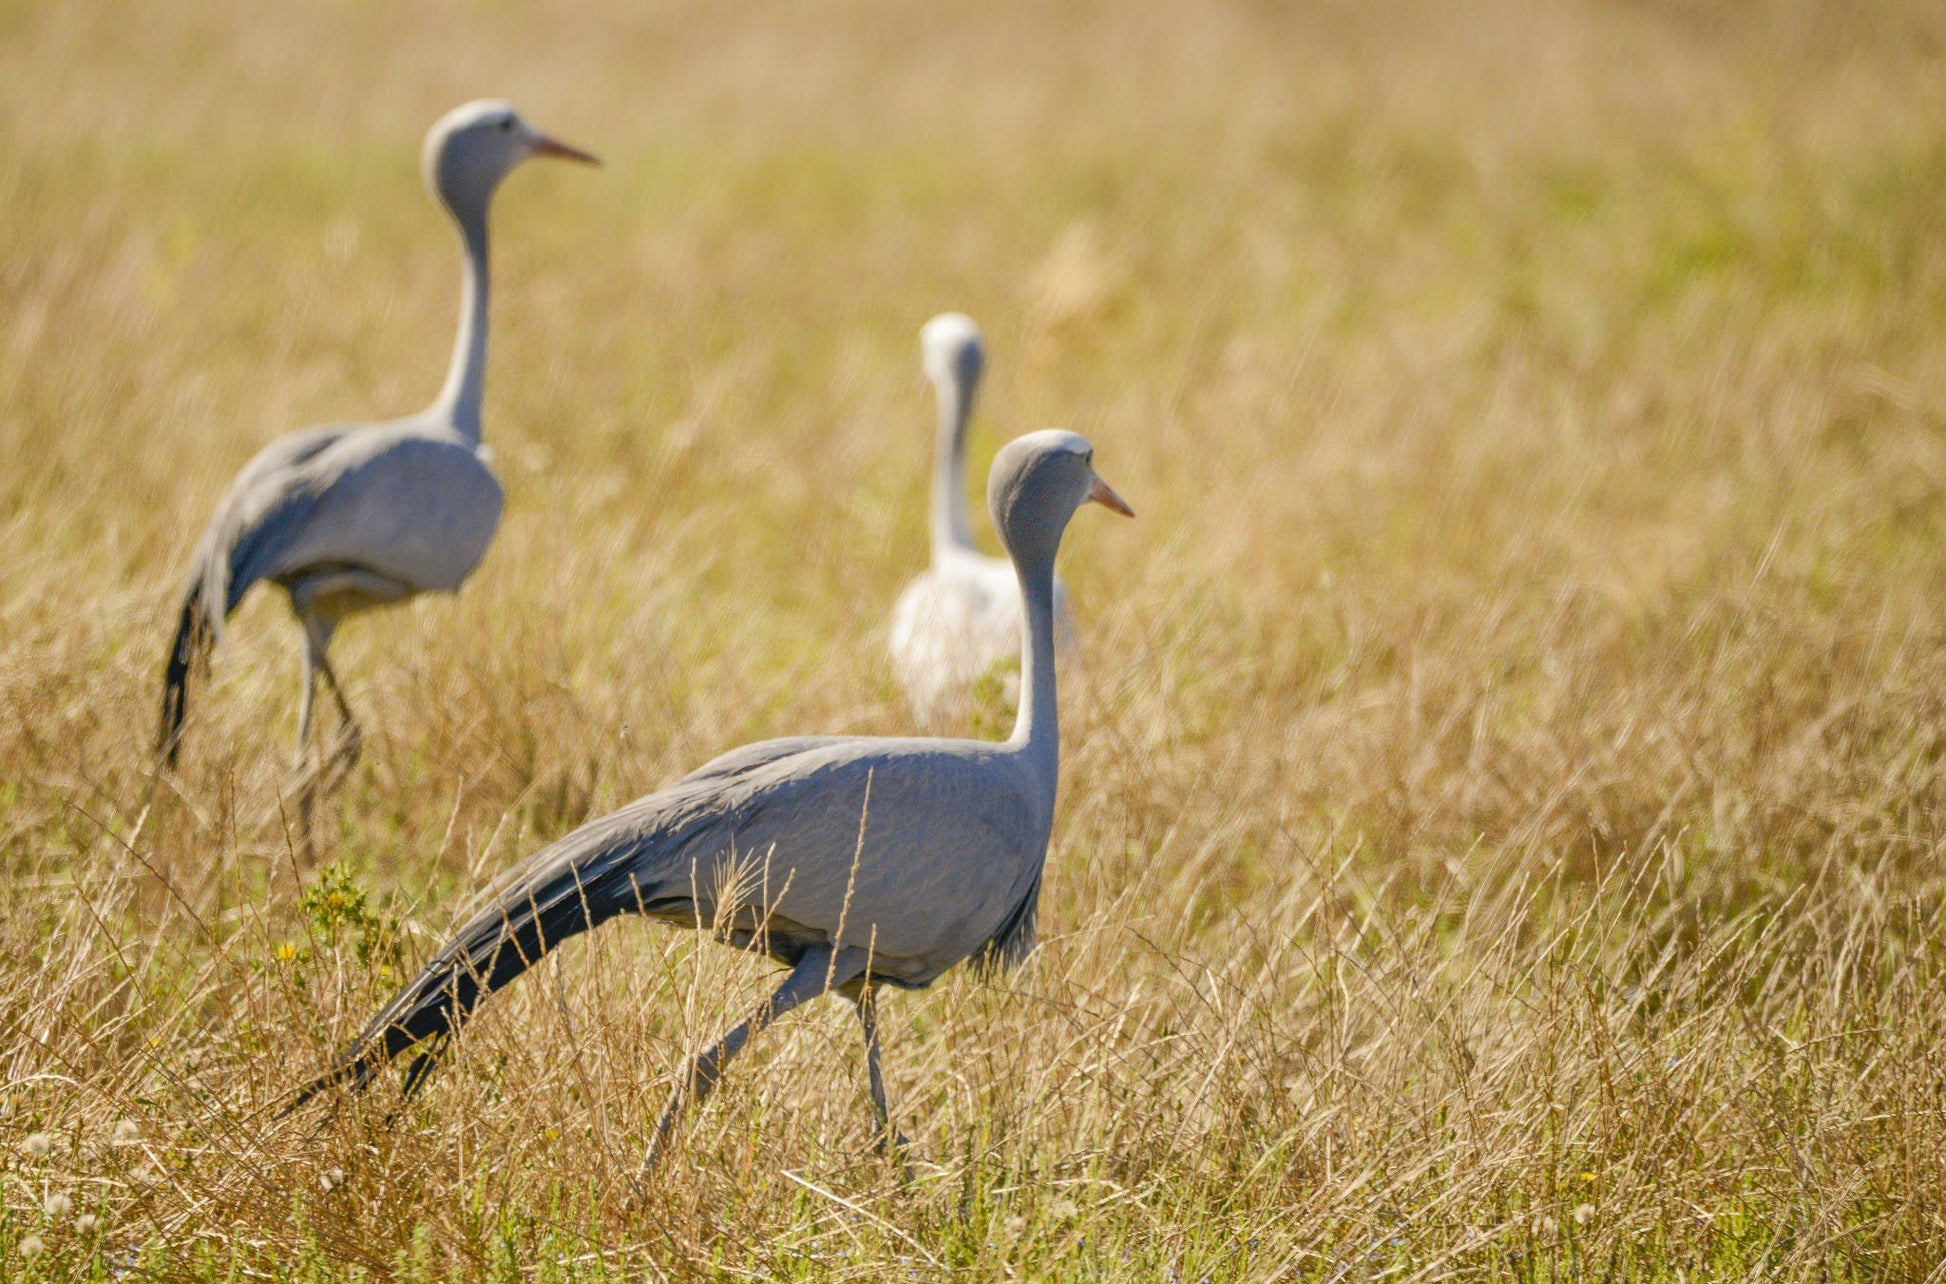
(459, 400)
(951, 527)
(1037, 727)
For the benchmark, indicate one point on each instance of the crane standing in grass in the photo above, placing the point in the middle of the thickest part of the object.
(960, 616)
(853, 861)
(350, 517)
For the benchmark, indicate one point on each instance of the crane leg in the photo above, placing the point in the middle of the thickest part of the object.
(350, 738)
(815, 973)
(317, 642)
(889, 1138)
(304, 706)
(306, 777)
(322, 598)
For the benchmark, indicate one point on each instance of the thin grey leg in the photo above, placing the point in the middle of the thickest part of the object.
(307, 781)
(889, 1137)
(304, 706)
(815, 973)
(345, 757)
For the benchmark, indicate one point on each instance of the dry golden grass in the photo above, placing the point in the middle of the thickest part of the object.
(1502, 804)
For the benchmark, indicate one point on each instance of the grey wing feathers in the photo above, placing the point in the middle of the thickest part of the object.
(1014, 941)
(749, 757)
(267, 503)
(914, 846)
(255, 517)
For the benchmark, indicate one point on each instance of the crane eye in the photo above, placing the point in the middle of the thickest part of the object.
(506, 124)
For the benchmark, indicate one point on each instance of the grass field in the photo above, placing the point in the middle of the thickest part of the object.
(1504, 787)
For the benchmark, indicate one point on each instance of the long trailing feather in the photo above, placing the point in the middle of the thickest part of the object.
(627, 862)
(489, 951)
(188, 652)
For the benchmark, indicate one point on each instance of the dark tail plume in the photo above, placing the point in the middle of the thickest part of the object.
(188, 651)
(559, 898)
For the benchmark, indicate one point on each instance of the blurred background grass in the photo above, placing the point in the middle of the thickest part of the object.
(1501, 813)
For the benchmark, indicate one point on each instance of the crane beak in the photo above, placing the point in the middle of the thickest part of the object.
(545, 146)
(1104, 494)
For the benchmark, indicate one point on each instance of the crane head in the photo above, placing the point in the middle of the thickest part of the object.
(472, 147)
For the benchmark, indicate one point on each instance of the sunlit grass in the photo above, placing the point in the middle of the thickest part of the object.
(1500, 823)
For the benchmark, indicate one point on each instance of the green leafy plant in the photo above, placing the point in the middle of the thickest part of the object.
(340, 910)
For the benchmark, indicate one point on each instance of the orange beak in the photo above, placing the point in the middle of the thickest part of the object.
(1104, 494)
(545, 146)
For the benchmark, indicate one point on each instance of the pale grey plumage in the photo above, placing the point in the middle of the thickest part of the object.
(959, 617)
(855, 861)
(350, 517)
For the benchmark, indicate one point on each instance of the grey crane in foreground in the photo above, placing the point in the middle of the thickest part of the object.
(354, 516)
(961, 616)
(854, 861)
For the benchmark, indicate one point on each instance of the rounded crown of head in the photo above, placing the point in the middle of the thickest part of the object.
(1036, 484)
(471, 148)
